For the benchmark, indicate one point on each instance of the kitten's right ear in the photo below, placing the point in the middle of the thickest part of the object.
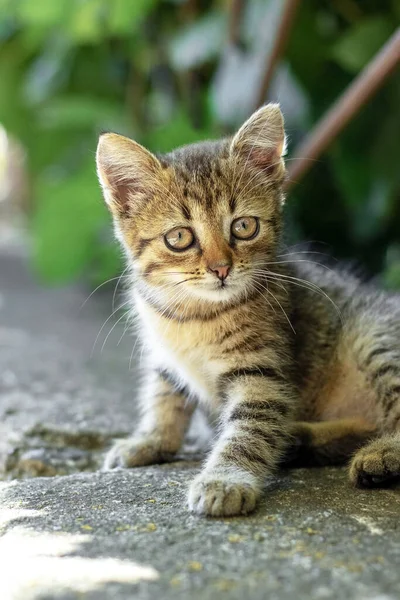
(126, 171)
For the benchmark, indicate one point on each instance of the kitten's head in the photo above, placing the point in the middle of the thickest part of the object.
(201, 222)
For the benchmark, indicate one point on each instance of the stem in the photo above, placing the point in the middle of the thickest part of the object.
(353, 98)
(235, 19)
(282, 36)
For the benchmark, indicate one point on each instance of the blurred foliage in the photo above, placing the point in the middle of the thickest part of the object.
(166, 73)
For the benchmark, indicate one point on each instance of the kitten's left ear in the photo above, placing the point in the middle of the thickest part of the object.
(261, 141)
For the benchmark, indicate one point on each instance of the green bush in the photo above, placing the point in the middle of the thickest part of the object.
(163, 72)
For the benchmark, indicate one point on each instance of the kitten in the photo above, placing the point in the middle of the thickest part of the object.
(297, 361)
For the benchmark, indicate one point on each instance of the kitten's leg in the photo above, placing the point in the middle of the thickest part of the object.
(327, 442)
(254, 435)
(378, 463)
(166, 414)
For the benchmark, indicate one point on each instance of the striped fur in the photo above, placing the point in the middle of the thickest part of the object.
(294, 361)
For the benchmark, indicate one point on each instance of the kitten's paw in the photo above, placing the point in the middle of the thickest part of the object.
(133, 452)
(212, 494)
(376, 464)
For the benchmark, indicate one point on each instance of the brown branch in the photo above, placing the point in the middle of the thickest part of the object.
(190, 79)
(342, 111)
(235, 21)
(282, 36)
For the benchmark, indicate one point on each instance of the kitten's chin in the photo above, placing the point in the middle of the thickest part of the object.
(218, 294)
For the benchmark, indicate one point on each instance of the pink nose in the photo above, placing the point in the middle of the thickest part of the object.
(221, 271)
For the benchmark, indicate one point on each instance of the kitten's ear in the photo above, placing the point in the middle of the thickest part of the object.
(125, 169)
(261, 142)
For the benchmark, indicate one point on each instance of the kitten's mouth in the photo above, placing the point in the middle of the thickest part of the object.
(218, 291)
(222, 285)
(219, 286)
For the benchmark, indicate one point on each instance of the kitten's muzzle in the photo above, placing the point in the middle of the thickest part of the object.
(221, 271)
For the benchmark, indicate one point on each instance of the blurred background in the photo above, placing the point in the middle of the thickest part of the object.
(169, 72)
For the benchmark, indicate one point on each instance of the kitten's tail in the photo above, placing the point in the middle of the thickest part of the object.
(327, 442)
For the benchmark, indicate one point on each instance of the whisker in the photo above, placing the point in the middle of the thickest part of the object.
(98, 287)
(307, 252)
(281, 307)
(185, 280)
(105, 323)
(263, 295)
(127, 323)
(116, 287)
(300, 260)
(305, 283)
(111, 330)
(309, 285)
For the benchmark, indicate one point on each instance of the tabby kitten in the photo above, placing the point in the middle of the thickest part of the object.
(296, 361)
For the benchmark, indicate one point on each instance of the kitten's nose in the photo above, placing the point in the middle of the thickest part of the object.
(221, 271)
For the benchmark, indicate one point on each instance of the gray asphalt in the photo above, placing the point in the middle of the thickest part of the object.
(81, 533)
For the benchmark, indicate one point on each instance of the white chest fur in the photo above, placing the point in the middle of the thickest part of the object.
(178, 348)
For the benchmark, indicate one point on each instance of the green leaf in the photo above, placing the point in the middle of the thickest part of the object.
(45, 13)
(369, 220)
(125, 16)
(385, 151)
(307, 50)
(178, 132)
(352, 174)
(367, 197)
(69, 215)
(357, 46)
(87, 22)
(107, 262)
(14, 114)
(391, 274)
(48, 72)
(76, 112)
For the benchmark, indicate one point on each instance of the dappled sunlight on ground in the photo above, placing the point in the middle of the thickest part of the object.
(34, 563)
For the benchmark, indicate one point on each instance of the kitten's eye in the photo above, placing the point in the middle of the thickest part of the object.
(245, 228)
(179, 239)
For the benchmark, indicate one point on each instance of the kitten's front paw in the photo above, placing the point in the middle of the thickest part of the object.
(133, 452)
(216, 495)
